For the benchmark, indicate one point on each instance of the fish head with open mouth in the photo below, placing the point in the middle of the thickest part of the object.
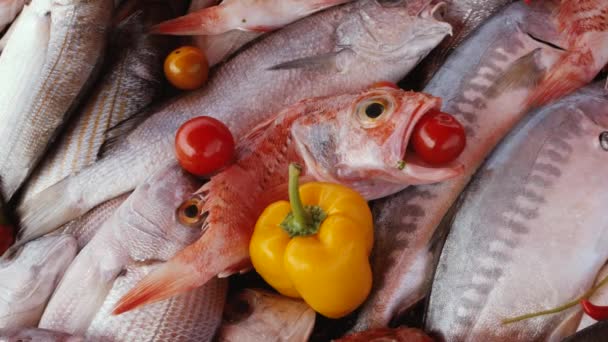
(386, 30)
(365, 144)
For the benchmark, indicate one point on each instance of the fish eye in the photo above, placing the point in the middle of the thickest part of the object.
(604, 140)
(371, 110)
(190, 212)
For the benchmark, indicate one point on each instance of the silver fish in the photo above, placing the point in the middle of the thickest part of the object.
(133, 78)
(532, 229)
(256, 315)
(29, 278)
(350, 47)
(484, 84)
(142, 229)
(36, 99)
(84, 228)
(193, 316)
(464, 16)
(37, 335)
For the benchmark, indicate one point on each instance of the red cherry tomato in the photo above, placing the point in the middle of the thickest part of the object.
(7, 238)
(438, 138)
(204, 145)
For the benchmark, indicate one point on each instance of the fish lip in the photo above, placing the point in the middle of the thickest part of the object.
(415, 170)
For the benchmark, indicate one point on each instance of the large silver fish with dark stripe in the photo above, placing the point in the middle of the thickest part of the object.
(532, 230)
(35, 100)
(484, 84)
(132, 79)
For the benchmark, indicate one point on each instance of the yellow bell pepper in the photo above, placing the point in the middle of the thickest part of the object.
(316, 248)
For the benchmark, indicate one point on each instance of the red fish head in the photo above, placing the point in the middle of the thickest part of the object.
(363, 141)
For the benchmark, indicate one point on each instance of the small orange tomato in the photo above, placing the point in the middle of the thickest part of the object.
(187, 68)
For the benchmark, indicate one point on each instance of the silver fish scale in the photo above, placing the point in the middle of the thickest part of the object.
(192, 316)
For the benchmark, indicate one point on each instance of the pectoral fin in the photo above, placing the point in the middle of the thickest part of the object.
(333, 61)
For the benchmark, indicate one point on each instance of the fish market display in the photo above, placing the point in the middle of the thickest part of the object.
(464, 16)
(343, 49)
(35, 334)
(193, 316)
(28, 279)
(8, 11)
(132, 79)
(337, 139)
(531, 232)
(143, 228)
(259, 316)
(485, 83)
(49, 59)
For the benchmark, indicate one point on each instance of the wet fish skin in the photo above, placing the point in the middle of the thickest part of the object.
(143, 228)
(484, 84)
(464, 16)
(193, 316)
(132, 78)
(533, 217)
(28, 279)
(36, 334)
(259, 316)
(33, 111)
(243, 92)
(333, 140)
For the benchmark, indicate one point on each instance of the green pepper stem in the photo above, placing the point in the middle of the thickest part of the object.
(300, 216)
(302, 220)
(560, 308)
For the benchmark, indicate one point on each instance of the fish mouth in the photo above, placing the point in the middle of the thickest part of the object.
(410, 168)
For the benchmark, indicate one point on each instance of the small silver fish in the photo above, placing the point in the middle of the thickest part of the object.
(343, 49)
(193, 316)
(36, 335)
(484, 83)
(532, 229)
(260, 316)
(49, 60)
(143, 228)
(28, 279)
(132, 79)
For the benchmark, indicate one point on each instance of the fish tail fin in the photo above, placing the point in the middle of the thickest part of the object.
(571, 72)
(208, 21)
(168, 280)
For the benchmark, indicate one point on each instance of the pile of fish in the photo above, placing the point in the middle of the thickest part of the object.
(104, 251)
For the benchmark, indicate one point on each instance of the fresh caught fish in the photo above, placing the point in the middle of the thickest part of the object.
(8, 11)
(600, 297)
(464, 16)
(485, 83)
(193, 316)
(134, 78)
(531, 231)
(35, 334)
(244, 15)
(350, 47)
(387, 334)
(593, 333)
(260, 316)
(84, 228)
(142, 229)
(334, 139)
(219, 47)
(66, 40)
(28, 279)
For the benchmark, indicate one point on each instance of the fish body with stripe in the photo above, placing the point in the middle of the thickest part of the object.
(194, 316)
(531, 231)
(142, 229)
(485, 83)
(29, 277)
(34, 107)
(350, 47)
(133, 78)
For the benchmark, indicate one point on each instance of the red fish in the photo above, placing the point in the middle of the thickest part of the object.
(359, 140)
